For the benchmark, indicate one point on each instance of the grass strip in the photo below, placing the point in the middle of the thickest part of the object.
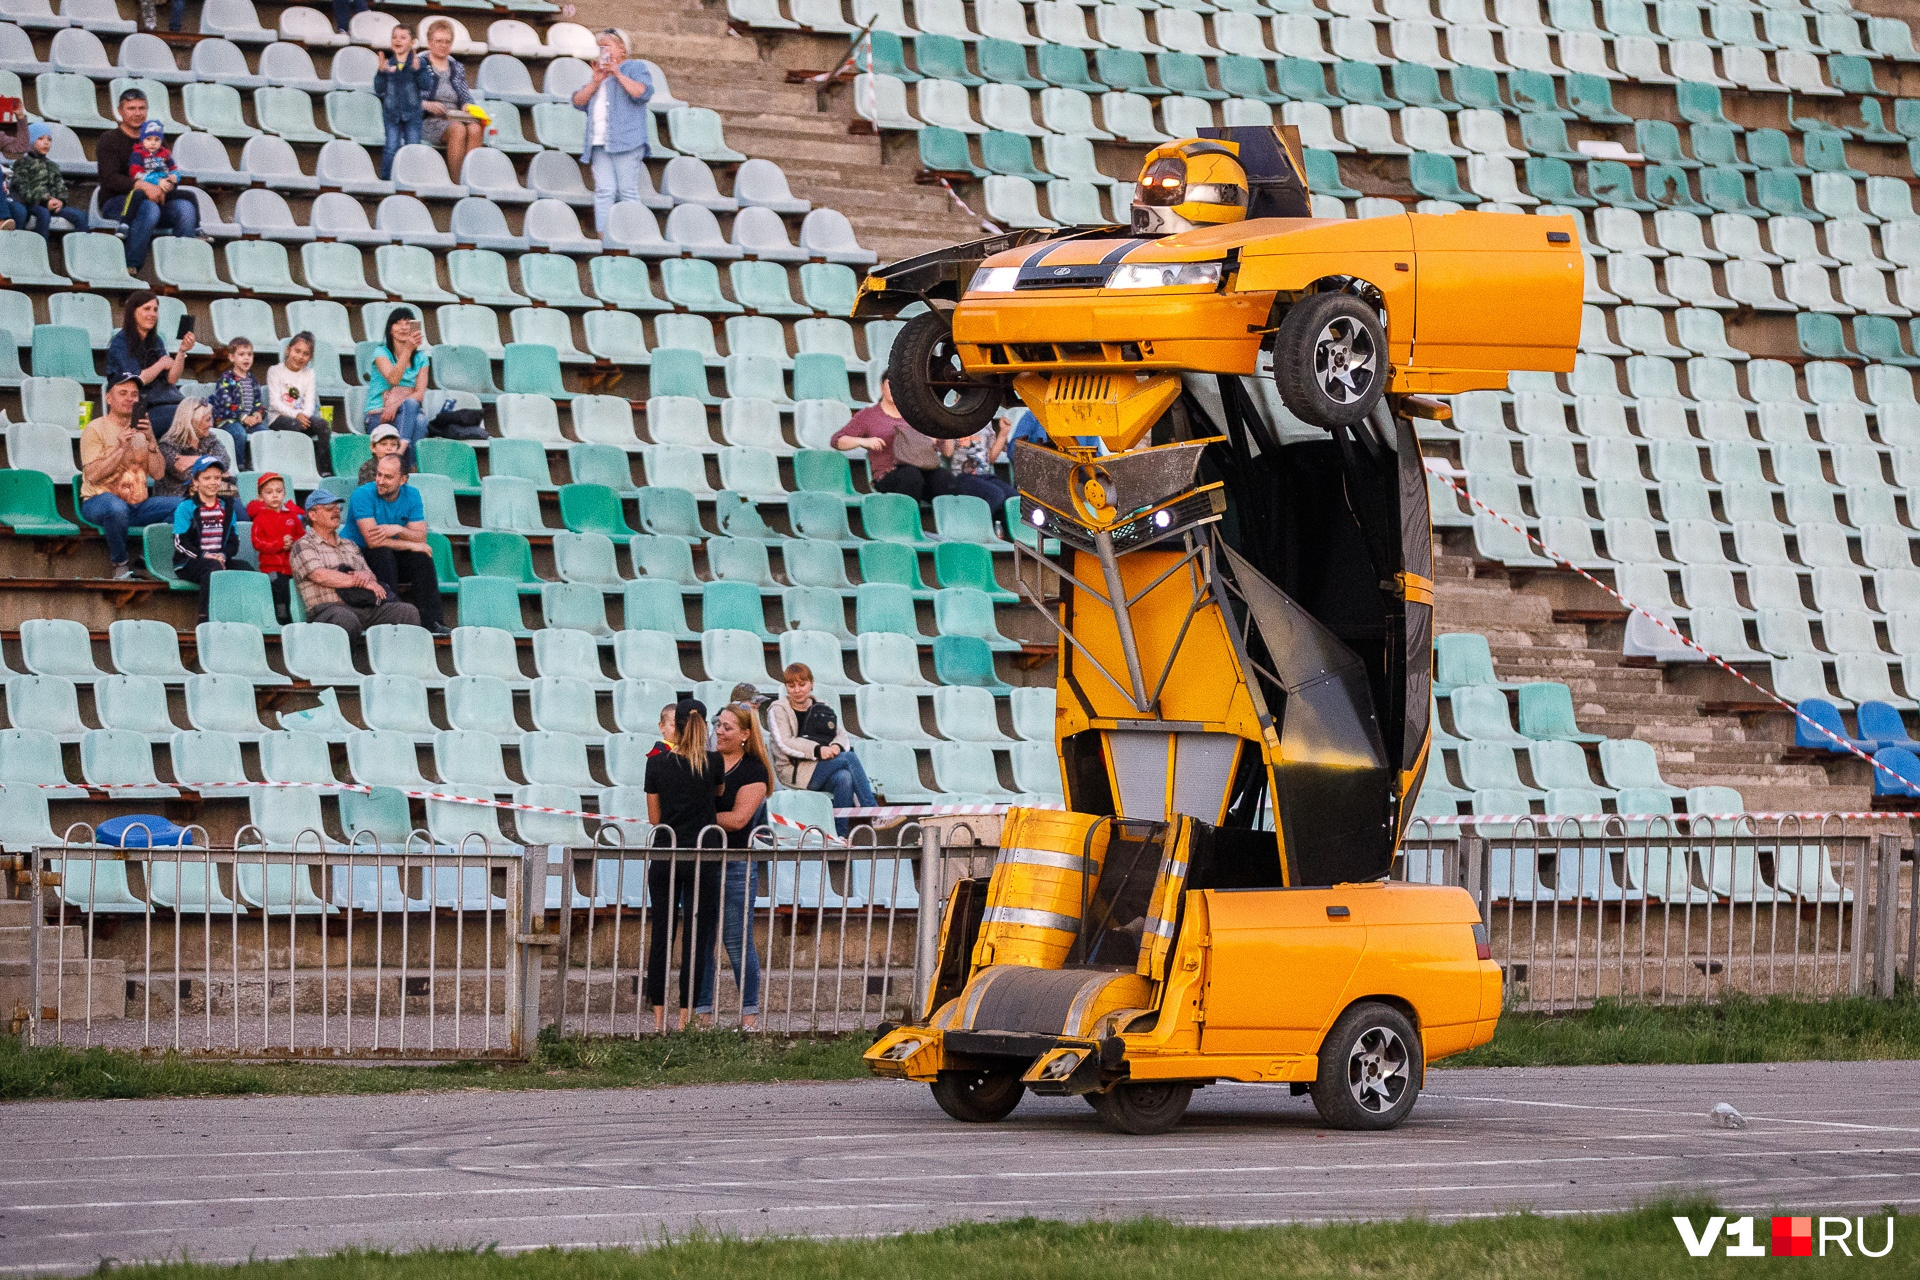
(1644, 1244)
(1737, 1030)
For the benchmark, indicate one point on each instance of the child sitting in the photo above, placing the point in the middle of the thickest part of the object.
(151, 160)
(40, 187)
(239, 401)
(276, 527)
(386, 440)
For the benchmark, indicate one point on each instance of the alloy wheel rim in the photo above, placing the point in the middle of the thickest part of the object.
(1344, 360)
(1377, 1069)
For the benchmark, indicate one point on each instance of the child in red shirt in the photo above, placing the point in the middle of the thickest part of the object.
(277, 525)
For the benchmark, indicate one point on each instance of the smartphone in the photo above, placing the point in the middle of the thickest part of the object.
(186, 327)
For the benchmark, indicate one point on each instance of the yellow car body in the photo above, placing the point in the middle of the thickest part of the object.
(1466, 298)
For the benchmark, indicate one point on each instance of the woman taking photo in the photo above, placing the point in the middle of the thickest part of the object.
(137, 350)
(615, 101)
(746, 779)
(189, 439)
(446, 122)
(682, 786)
(397, 384)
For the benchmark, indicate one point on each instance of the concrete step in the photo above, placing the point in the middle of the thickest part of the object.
(55, 940)
(81, 989)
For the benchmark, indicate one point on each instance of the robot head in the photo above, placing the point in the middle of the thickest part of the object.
(1187, 184)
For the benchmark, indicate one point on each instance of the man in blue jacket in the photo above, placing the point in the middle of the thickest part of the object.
(615, 101)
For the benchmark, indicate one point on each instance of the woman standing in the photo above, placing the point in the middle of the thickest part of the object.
(397, 385)
(137, 350)
(446, 122)
(682, 787)
(745, 781)
(615, 101)
(189, 439)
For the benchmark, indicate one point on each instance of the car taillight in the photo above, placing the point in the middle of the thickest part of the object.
(1482, 948)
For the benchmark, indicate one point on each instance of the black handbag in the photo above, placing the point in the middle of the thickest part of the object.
(457, 424)
(357, 597)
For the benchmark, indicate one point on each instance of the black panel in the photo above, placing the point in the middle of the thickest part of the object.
(1116, 915)
(1219, 858)
(1084, 764)
(1275, 188)
(967, 906)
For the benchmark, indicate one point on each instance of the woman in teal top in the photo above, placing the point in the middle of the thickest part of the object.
(397, 385)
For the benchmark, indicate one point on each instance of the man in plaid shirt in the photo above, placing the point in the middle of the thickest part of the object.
(332, 575)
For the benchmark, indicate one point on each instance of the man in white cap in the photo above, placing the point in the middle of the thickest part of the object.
(333, 579)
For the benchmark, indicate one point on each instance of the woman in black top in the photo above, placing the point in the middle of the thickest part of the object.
(138, 349)
(745, 781)
(682, 788)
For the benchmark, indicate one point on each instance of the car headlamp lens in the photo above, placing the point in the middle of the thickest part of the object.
(1161, 275)
(994, 280)
(902, 1051)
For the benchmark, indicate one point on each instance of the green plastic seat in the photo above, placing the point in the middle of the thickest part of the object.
(1436, 177)
(1545, 134)
(893, 517)
(1186, 74)
(1067, 69)
(827, 287)
(407, 271)
(964, 564)
(1668, 188)
(694, 283)
(935, 54)
(761, 287)
(1715, 144)
(965, 611)
(1659, 142)
(522, 456)
(623, 283)
(1591, 98)
(823, 471)
(1700, 104)
(1361, 83)
(1245, 77)
(237, 595)
(966, 660)
(670, 513)
(457, 367)
(1724, 188)
(885, 606)
(1323, 174)
(894, 562)
(1552, 181)
(1546, 713)
(602, 464)
(533, 368)
(656, 605)
(1418, 85)
(679, 371)
(1010, 154)
(455, 459)
(816, 515)
(442, 549)
(480, 275)
(69, 98)
(490, 602)
(959, 517)
(27, 507)
(1478, 89)
(63, 351)
(1537, 91)
(1303, 80)
(1821, 337)
(497, 553)
(553, 280)
(733, 606)
(354, 114)
(822, 375)
(1610, 182)
(1770, 149)
(1826, 153)
(944, 150)
(1004, 62)
(594, 508)
(1780, 193)
(1125, 71)
(1879, 340)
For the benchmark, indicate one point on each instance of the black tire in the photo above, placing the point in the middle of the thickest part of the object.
(978, 1097)
(1371, 1069)
(930, 388)
(1143, 1107)
(1330, 359)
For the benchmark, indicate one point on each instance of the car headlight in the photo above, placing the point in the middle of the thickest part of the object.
(1161, 275)
(902, 1051)
(994, 280)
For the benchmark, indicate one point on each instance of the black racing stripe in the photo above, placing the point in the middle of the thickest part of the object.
(1126, 247)
(1042, 256)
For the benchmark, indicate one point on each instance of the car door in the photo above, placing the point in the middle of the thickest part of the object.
(1279, 966)
(1496, 291)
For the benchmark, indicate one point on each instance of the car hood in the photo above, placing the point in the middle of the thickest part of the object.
(1203, 245)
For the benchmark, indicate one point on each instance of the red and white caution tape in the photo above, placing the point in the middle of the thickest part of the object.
(1445, 474)
(1543, 820)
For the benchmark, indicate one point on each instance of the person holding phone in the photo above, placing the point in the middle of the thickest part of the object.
(397, 385)
(137, 349)
(615, 100)
(119, 462)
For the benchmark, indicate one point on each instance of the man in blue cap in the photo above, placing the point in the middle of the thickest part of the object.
(333, 579)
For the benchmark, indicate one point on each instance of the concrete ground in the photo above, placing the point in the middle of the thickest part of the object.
(267, 1177)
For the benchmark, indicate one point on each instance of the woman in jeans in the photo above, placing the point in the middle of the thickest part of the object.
(397, 384)
(682, 786)
(744, 785)
(615, 101)
(139, 351)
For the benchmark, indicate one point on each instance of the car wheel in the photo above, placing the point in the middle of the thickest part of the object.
(1143, 1107)
(1371, 1067)
(978, 1097)
(1330, 359)
(931, 388)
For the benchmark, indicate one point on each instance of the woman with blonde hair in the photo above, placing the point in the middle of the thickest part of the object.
(615, 100)
(445, 121)
(745, 782)
(190, 438)
(682, 786)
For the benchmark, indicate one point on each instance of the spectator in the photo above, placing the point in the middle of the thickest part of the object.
(746, 780)
(333, 579)
(151, 161)
(615, 101)
(970, 463)
(138, 350)
(389, 521)
(276, 527)
(40, 186)
(206, 538)
(386, 442)
(682, 787)
(146, 208)
(445, 100)
(119, 461)
(294, 401)
(189, 439)
(401, 82)
(397, 386)
(811, 749)
(343, 11)
(900, 459)
(239, 403)
(150, 15)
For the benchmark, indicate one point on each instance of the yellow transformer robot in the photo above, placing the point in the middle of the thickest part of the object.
(1228, 530)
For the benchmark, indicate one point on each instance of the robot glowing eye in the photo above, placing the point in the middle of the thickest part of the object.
(1162, 519)
(1039, 519)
